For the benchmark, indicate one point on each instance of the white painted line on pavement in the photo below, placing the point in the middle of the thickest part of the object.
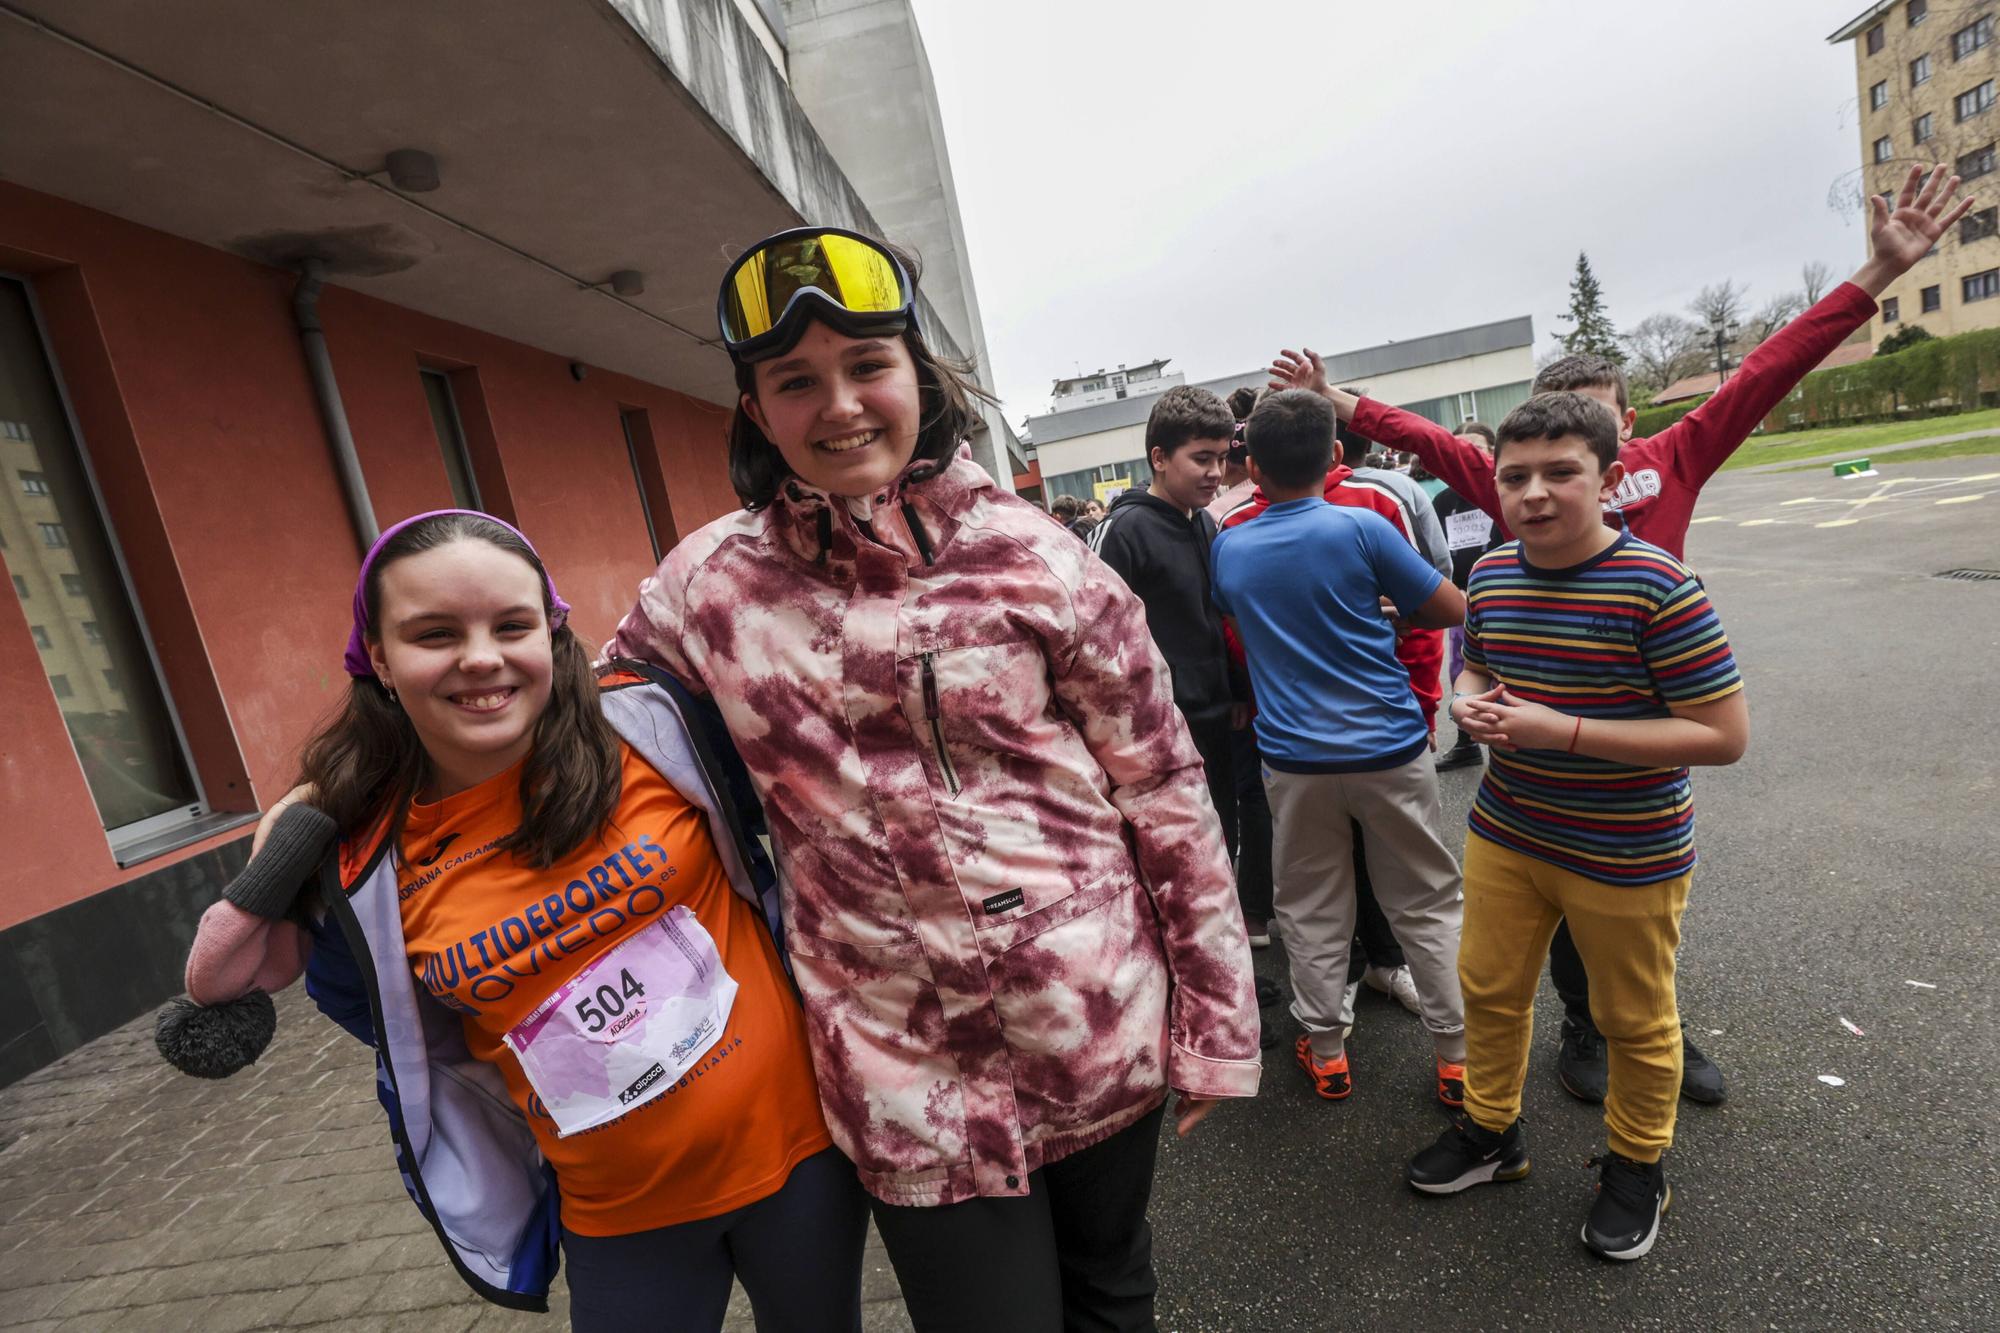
(1961, 499)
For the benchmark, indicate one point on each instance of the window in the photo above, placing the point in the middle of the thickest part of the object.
(1979, 286)
(1971, 37)
(41, 636)
(20, 587)
(128, 745)
(1878, 96)
(1874, 39)
(1932, 299)
(1920, 70)
(1974, 100)
(1977, 163)
(1920, 128)
(647, 479)
(1919, 11)
(451, 439)
(1978, 226)
(34, 483)
(1892, 310)
(1884, 150)
(14, 430)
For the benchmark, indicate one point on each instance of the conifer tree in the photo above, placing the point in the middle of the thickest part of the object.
(1591, 332)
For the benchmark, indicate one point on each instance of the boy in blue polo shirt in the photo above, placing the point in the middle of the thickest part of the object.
(1341, 734)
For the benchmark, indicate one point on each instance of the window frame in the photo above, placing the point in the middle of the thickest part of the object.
(1988, 219)
(1988, 279)
(1924, 61)
(1916, 11)
(1982, 27)
(1892, 310)
(1885, 148)
(1921, 129)
(1873, 39)
(1931, 298)
(1958, 102)
(161, 833)
(1878, 94)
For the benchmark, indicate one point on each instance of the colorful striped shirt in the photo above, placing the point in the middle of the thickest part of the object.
(1623, 635)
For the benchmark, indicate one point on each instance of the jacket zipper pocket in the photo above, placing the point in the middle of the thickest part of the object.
(931, 715)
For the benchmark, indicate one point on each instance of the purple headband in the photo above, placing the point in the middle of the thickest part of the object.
(357, 662)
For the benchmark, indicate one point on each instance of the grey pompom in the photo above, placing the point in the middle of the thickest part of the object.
(214, 1041)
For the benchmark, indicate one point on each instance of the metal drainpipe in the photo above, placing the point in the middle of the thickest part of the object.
(326, 391)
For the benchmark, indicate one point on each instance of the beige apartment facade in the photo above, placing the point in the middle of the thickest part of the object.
(1927, 78)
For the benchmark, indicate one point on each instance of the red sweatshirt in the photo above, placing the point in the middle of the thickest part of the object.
(1663, 475)
(1421, 651)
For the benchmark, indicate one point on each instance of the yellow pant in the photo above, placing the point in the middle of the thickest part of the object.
(1626, 937)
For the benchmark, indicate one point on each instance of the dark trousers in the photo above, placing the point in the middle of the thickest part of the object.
(1075, 1253)
(797, 1253)
(1212, 741)
(1571, 981)
(1253, 817)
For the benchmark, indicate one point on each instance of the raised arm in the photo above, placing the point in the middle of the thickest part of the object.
(1461, 465)
(1702, 441)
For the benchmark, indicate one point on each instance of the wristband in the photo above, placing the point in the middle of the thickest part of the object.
(1574, 732)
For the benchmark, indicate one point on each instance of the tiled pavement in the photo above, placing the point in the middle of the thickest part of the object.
(135, 1197)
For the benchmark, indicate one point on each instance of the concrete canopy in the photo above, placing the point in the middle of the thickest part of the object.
(573, 140)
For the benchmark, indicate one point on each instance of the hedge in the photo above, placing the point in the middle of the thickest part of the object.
(1929, 378)
(1653, 420)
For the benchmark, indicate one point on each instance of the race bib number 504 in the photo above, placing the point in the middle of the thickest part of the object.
(624, 1029)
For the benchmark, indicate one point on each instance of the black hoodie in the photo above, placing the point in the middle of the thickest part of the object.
(1163, 555)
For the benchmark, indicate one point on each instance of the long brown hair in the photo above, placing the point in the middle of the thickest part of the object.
(367, 762)
(946, 392)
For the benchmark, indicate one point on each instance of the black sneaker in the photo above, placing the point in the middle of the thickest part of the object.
(1701, 1081)
(1462, 755)
(1466, 1155)
(1631, 1198)
(1268, 993)
(1268, 1037)
(1580, 1064)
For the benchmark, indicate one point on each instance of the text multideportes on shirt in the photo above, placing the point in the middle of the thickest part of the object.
(490, 962)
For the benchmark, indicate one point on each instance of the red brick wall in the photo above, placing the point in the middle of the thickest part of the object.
(185, 373)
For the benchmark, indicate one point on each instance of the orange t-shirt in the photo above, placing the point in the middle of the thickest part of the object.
(494, 938)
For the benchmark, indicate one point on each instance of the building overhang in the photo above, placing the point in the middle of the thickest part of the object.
(1854, 27)
(573, 141)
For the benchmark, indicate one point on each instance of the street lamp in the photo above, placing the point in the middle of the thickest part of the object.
(1724, 332)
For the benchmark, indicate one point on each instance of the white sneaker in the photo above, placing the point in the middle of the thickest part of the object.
(1396, 983)
(1347, 1009)
(1260, 933)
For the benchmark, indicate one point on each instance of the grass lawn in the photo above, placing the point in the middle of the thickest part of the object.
(1856, 441)
(1982, 447)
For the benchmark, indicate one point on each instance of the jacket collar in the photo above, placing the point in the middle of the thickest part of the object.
(822, 528)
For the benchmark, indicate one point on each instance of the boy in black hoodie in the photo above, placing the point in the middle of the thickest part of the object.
(1158, 540)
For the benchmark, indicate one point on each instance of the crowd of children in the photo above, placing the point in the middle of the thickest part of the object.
(1034, 800)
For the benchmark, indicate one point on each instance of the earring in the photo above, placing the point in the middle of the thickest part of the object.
(390, 690)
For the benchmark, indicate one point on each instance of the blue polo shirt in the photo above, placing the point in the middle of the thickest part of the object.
(1303, 581)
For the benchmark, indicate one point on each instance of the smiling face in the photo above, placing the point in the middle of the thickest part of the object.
(1552, 494)
(844, 412)
(464, 643)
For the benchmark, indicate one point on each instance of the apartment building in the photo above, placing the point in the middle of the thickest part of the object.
(1926, 76)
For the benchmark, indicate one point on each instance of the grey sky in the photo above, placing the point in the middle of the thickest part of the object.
(1209, 182)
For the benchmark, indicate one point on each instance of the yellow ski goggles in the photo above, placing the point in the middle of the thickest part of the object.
(847, 280)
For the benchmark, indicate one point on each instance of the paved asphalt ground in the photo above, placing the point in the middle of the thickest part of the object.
(1855, 849)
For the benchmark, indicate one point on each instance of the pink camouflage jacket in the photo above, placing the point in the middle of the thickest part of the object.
(1007, 901)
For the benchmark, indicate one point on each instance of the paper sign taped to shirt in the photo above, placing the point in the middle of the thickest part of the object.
(1468, 527)
(624, 1029)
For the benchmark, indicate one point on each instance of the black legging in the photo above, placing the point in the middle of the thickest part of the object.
(797, 1253)
(1571, 981)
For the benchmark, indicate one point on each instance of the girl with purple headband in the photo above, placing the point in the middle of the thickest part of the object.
(550, 920)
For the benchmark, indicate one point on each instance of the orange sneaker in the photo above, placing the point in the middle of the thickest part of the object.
(1451, 1084)
(1330, 1077)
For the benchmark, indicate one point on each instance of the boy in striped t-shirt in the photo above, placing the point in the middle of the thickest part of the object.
(1597, 671)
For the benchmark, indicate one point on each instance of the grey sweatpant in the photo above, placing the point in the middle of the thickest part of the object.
(1415, 879)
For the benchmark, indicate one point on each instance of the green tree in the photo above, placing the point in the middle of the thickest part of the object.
(1907, 336)
(1591, 332)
